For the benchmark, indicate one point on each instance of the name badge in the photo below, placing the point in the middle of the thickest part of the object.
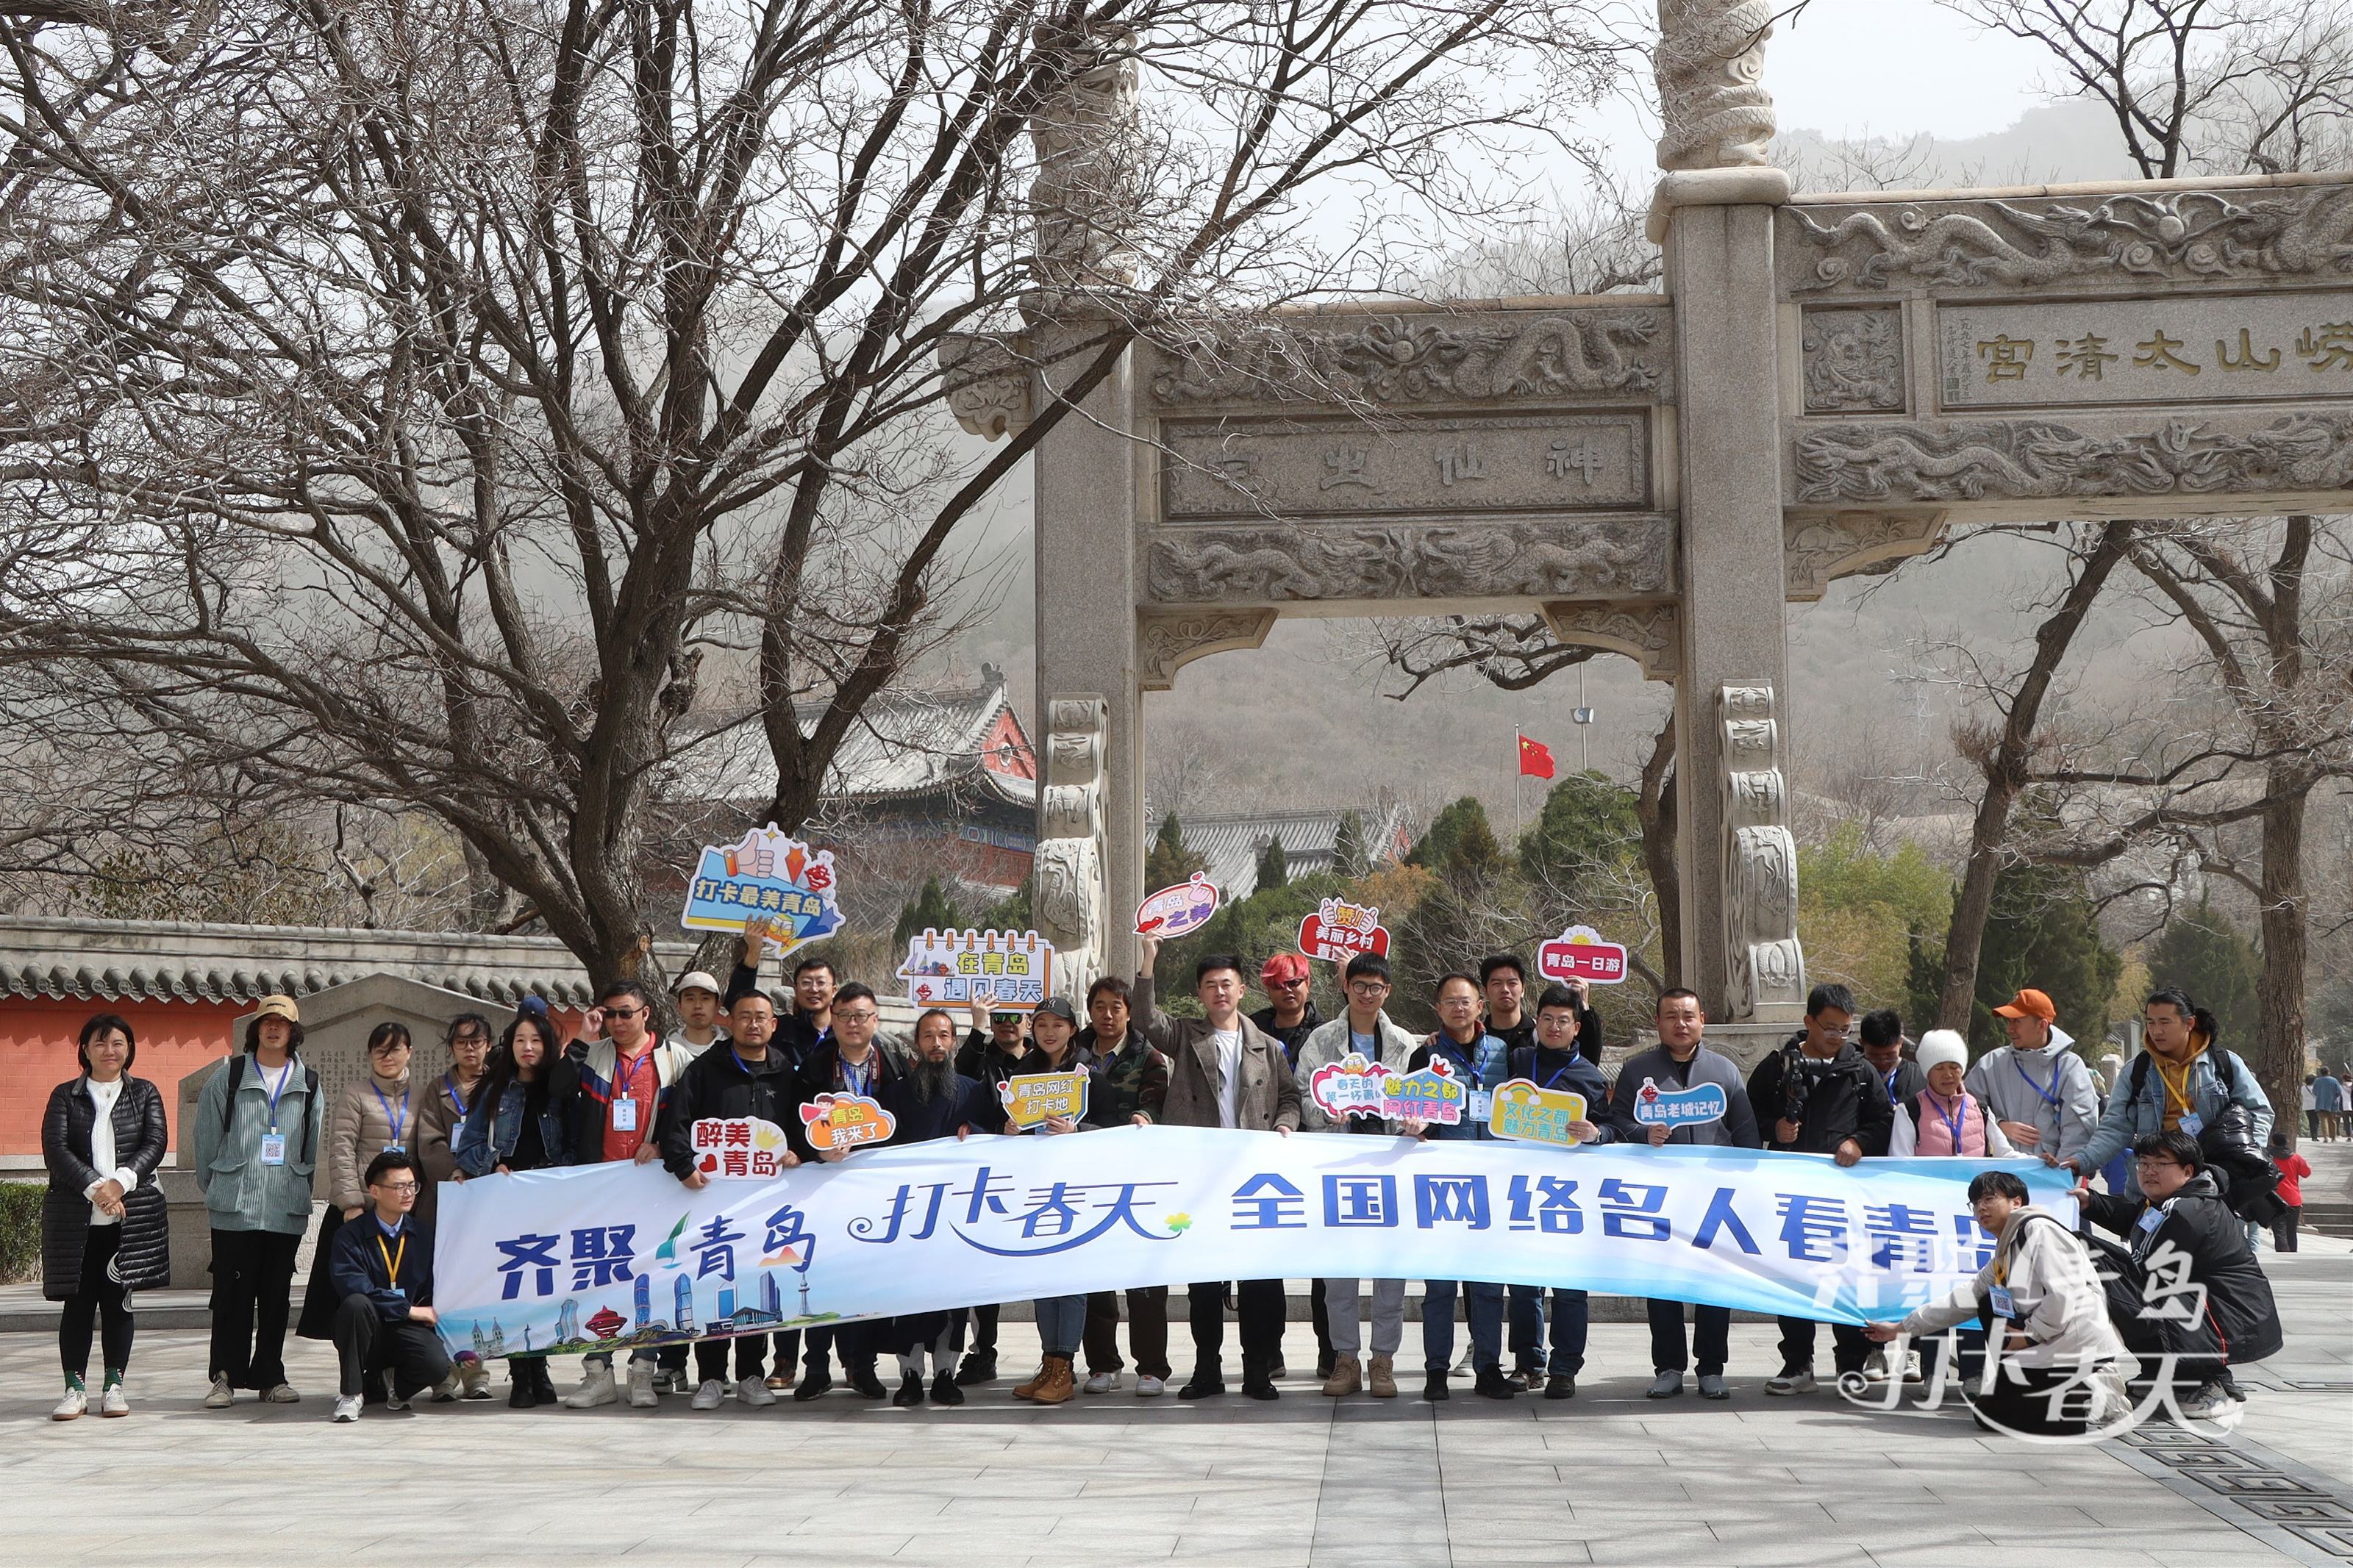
(2003, 1306)
(396, 1148)
(625, 1115)
(1483, 1104)
(273, 1148)
(2152, 1221)
(2192, 1124)
(397, 1291)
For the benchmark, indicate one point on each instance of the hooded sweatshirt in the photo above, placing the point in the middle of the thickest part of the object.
(2051, 1091)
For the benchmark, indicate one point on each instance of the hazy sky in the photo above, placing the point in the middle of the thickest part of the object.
(1897, 66)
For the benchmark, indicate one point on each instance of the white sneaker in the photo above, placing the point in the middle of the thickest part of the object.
(642, 1386)
(754, 1392)
(1148, 1387)
(347, 1406)
(1792, 1381)
(114, 1402)
(2209, 1404)
(76, 1401)
(221, 1396)
(595, 1388)
(1103, 1383)
(476, 1377)
(1875, 1365)
(707, 1397)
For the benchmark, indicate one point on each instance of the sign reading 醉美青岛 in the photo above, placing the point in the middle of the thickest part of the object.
(1337, 931)
(738, 1148)
(1656, 1107)
(1033, 1099)
(1178, 910)
(786, 888)
(845, 1122)
(1526, 1114)
(1580, 954)
(945, 967)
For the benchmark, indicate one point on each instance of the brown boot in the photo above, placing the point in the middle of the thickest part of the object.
(1383, 1378)
(1029, 1390)
(1345, 1377)
(1055, 1383)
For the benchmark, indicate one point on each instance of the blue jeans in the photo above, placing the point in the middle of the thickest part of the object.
(1570, 1319)
(1486, 1314)
(1062, 1323)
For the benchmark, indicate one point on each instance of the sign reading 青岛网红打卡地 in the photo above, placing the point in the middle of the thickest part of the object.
(1031, 1099)
(771, 879)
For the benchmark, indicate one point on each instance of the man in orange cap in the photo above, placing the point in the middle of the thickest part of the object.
(2036, 1086)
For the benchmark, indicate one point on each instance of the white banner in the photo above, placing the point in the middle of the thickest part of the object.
(620, 1255)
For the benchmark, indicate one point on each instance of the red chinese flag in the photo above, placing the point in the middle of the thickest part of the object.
(1535, 758)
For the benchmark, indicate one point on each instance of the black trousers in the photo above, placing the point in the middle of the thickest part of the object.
(2283, 1229)
(253, 1276)
(95, 1295)
(1849, 1348)
(984, 1330)
(365, 1344)
(750, 1351)
(1711, 1338)
(1258, 1311)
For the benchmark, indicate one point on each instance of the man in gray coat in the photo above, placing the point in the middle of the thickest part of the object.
(1681, 1061)
(2040, 1092)
(1223, 1071)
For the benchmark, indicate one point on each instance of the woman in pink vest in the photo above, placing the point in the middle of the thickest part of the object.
(1945, 1118)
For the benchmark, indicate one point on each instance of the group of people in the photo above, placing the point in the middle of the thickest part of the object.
(534, 1096)
(2324, 1107)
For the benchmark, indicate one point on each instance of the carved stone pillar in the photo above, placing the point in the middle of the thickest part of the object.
(1767, 979)
(1714, 110)
(1067, 886)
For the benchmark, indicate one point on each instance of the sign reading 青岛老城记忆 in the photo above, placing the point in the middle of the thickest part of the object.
(770, 878)
(1580, 954)
(1656, 1107)
(945, 967)
(1178, 910)
(737, 1148)
(1337, 931)
(1526, 1114)
(1031, 1099)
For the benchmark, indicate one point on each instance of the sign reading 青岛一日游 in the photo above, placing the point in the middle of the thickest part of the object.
(770, 878)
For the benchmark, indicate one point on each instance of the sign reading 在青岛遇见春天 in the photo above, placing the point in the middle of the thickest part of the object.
(1656, 1107)
(1580, 954)
(771, 877)
(846, 1121)
(1178, 910)
(738, 1148)
(945, 967)
(1526, 1114)
(1337, 931)
(1031, 1099)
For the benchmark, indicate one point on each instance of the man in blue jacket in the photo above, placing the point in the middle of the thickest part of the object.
(383, 1270)
(1481, 1063)
(1556, 1060)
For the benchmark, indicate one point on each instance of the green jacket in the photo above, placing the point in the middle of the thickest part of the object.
(240, 1192)
(1132, 1079)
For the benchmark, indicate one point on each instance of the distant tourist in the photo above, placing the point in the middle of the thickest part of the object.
(2293, 1168)
(2328, 1098)
(516, 1123)
(104, 1230)
(382, 1268)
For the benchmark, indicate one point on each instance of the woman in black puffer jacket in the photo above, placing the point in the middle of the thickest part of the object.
(104, 1230)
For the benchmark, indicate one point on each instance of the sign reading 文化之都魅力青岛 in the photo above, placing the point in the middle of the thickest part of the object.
(599, 1256)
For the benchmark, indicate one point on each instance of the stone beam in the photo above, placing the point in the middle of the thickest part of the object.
(1649, 634)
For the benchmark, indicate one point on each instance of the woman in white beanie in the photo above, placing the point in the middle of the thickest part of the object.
(1946, 1119)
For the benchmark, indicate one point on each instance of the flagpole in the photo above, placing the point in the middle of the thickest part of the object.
(1519, 795)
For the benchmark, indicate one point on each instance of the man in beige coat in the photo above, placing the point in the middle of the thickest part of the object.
(1223, 1071)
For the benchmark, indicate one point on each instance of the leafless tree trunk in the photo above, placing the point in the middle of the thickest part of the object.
(1656, 807)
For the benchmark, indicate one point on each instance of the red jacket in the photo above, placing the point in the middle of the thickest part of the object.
(2291, 1190)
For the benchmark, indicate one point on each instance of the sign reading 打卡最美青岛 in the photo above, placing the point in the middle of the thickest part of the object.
(945, 967)
(2280, 345)
(770, 878)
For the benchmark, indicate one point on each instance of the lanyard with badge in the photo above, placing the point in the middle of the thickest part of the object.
(1955, 1121)
(2189, 1122)
(450, 1087)
(2049, 1099)
(625, 1099)
(858, 1080)
(397, 1121)
(1561, 1072)
(1481, 1098)
(1892, 1076)
(391, 1261)
(273, 1142)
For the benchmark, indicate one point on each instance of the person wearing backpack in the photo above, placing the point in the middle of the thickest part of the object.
(2183, 1079)
(257, 1130)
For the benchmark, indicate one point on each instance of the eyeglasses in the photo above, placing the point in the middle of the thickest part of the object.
(855, 1018)
(397, 1187)
(2156, 1161)
(1366, 988)
(624, 1012)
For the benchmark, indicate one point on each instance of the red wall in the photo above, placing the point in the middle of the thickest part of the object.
(37, 1053)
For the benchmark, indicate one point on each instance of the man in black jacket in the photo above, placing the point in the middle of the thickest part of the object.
(1556, 1060)
(854, 1063)
(742, 1076)
(1817, 1095)
(382, 1269)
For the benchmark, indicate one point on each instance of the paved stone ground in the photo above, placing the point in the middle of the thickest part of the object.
(1607, 1478)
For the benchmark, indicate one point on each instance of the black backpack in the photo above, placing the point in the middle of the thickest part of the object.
(2249, 1180)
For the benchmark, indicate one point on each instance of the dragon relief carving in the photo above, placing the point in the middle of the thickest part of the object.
(2188, 235)
(1408, 560)
(1853, 360)
(2041, 460)
(1402, 359)
(1710, 67)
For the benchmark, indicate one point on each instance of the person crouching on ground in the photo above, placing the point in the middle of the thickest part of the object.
(383, 1271)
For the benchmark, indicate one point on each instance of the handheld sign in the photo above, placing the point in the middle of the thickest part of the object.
(1031, 1099)
(739, 1147)
(1429, 1094)
(769, 876)
(946, 967)
(846, 1121)
(1337, 931)
(1353, 1086)
(1527, 1114)
(1579, 954)
(1179, 911)
(1656, 1107)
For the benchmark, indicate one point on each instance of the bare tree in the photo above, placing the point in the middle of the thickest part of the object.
(429, 390)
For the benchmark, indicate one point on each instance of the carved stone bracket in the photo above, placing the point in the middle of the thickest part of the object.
(1277, 565)
(988, 382)
(1069, 892)
(1167, 643)
(1646, 633)
(1768, 967)
(1816, 552)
